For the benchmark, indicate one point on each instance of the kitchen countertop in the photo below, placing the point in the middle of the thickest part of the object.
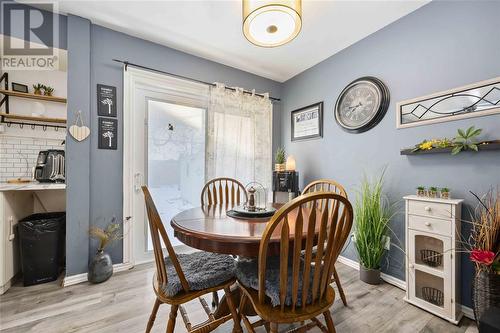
(32, 186)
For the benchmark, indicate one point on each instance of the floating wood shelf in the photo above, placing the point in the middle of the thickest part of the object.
(30, 118)
(33, 96)
(486, 145)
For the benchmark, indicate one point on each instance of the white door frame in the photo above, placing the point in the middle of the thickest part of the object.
(185, 91)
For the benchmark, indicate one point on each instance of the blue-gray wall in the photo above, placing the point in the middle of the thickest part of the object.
(78, 153)
(101, 181)
(443, 45)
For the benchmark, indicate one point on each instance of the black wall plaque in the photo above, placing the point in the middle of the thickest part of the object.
(106, 100)
(108, 133)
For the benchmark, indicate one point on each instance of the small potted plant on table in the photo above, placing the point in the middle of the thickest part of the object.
(445, 193)
(432, 193)
(372, 216)
(421, 191)
(280, 160)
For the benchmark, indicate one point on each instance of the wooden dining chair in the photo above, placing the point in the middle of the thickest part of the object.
(174, 285)
(329, 185)
(290, 288)
(221, 191)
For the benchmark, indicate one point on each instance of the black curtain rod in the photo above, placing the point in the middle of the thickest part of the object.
(126, 63)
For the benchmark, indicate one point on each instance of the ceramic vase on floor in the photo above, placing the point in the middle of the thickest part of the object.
(100, 268)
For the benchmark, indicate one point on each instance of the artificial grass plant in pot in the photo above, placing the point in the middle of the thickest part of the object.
(372, 214)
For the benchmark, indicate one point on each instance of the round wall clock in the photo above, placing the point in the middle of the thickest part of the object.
(362, 104)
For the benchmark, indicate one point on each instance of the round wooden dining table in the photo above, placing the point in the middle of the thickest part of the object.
(209, 228)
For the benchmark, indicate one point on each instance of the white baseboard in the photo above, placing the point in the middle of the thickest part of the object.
(79, 278)
(394, 281)
(387, 278)
(467, 312)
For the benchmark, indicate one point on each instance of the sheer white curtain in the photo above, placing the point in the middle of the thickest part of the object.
(239, 136)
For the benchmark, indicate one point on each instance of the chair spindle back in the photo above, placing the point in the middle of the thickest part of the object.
(158, 230)
(301, 225)
(223, 191)
(325, 185)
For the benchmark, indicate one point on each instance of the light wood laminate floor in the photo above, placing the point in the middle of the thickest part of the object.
(123, 304)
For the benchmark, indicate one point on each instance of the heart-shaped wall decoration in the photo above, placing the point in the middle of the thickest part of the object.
(79, 133)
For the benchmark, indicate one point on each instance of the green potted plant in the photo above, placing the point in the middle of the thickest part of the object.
(280, 160)
(48, 91)
(101, 266)
(465, 140)
(421, 191)
(371, 215)
(432, 193)
(37, 88)
(445, 193)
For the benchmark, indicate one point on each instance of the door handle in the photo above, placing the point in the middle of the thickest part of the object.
(12, 235)
(137, 181)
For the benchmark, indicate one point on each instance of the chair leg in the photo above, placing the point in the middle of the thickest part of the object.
(215, 299)
(171, 318)
(329, 321)
(152, 317)
(274, 328)
(339, 286)
(234, 313)
(246, 322)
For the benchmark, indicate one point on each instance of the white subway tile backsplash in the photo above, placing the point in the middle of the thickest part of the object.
(18, 155)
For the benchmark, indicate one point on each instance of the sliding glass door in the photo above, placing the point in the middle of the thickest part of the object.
(164, 148)
(175, 159)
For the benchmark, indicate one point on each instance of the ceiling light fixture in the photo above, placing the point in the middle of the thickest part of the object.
(271, 23)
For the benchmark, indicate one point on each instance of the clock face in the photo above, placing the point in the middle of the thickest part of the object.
(360, 104)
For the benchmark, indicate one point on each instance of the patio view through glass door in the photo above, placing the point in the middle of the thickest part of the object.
(175, 159)
(164, 148)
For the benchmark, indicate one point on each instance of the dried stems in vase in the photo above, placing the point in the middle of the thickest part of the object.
(485, 234)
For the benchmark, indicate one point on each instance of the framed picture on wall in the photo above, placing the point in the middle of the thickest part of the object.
(307, 122)
(108, 133)
(106, 100)
(19, 87)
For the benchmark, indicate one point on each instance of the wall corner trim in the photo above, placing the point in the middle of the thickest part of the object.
(80, 278)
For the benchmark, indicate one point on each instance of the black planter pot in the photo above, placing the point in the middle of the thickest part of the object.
(368, 275)
(486, 299)
(100, 268)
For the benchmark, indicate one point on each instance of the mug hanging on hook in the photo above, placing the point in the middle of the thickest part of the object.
(78, 130)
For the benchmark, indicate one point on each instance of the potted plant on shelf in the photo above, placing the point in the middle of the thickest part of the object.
(47, 91)
(101, 266)
(445, 193)
(432, 193)
(37, 89)
(280, 160)
(466, 140)
(372, 215)
(421, 191)
(484, 248)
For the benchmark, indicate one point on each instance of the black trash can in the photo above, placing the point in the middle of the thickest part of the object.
(42, 246)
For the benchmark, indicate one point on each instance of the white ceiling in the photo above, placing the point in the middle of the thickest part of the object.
(212, 29)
